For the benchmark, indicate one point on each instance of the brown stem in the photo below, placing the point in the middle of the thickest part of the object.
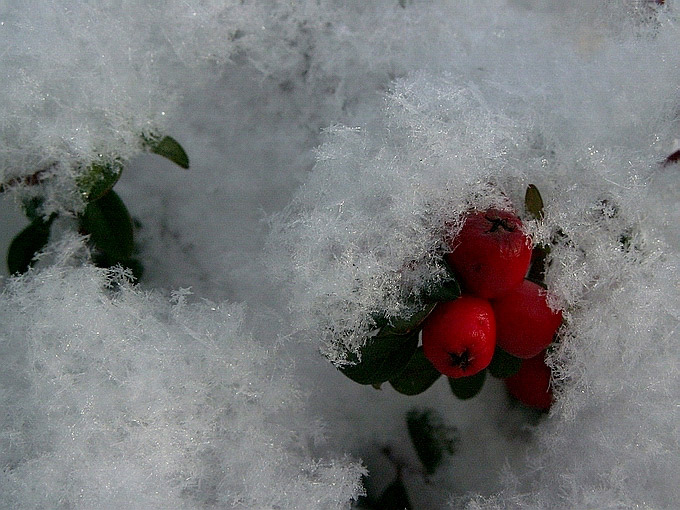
(29, 180)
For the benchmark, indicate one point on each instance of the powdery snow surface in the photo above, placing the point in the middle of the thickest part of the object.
(332, 145)
(117, 398)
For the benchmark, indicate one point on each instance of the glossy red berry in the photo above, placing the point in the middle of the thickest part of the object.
(531, 384)
(491, 253)
(459, 337)
(525, 324)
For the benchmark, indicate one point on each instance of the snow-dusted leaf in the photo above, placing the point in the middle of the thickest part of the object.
(403, 324)
(99, 178)
(432, 439)
(448, 289)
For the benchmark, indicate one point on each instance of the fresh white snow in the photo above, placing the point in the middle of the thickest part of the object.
(332, 144)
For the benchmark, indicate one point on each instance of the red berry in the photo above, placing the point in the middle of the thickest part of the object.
(525, 323)
(459, 337)
(491, 253)
(531, 385)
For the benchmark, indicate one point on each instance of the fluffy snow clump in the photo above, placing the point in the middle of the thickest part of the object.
(116, 398)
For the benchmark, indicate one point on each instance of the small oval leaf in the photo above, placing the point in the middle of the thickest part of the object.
(382, 358)
(110, 227)
(99, 178)
(467, 387)
(417, 376)
(503, 364)
(431, 437)
(534, 202)
(25, 245)
(170, 149)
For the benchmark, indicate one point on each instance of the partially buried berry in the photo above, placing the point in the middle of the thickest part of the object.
(459, 337)
(531, 385)
(491, 253)
(525, 324)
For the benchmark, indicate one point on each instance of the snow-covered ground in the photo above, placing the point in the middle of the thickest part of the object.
(330, 142)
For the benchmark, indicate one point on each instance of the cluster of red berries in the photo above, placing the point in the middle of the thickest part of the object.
(499, 308)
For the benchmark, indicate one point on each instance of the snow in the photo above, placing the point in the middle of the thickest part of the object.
(117, 398)
(332, 145)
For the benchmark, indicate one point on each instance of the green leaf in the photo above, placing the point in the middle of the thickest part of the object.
(394, 497)
(403, 325)
(99, 178)
(417, 376)
(537, 265)
(110, 227)
(467, 387)
(169, 148)
(503, 364)
(382, 358)
(26, 244)
(534, 202)
(33, 207)
(445, 290)
(431, 437)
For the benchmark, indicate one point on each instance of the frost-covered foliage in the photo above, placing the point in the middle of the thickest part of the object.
(588, 117)
(84, 80)
(435, 107)
(115, 398)
(545, 108)
(612, 441)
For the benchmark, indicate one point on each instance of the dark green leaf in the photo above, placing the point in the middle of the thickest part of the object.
(26, 245)
(503, 364)
(417, 376)
(534, 202)
(394, 497)
(431, 437)
(99, 178)
(382, 358)
(441, 292)
(403, 325)
(445, 290)
(674, 157)
(33, 208)
(169, 148)
(537, 266)
(467, 387)
(110, 227)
